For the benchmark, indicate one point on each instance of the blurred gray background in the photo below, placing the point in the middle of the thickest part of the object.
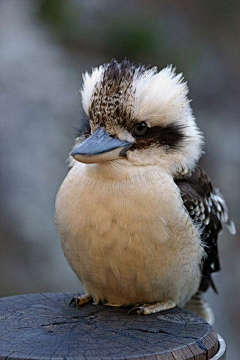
(45, 45)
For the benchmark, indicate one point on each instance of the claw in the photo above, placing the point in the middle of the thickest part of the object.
(132, 310)
(73, 301)
(80, 300)
(138, 309)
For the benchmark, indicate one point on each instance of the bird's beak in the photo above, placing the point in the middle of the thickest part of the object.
(100, 147)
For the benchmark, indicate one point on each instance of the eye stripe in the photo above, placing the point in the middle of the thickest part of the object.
(171, 136)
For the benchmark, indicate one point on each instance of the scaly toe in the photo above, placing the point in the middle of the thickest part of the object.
(146, 309)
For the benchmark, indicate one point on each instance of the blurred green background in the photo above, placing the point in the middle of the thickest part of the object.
(45, 45)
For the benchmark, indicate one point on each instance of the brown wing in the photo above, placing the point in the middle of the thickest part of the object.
(208, 210)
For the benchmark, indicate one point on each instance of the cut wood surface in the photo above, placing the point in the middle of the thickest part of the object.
(43, 326)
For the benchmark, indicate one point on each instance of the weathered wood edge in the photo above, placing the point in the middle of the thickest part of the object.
(194, 350)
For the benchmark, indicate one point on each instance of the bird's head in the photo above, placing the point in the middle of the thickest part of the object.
(140, 115)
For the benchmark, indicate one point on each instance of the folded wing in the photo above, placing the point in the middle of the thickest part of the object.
(208, 210)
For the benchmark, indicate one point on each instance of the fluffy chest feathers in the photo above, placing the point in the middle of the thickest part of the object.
(127, 235)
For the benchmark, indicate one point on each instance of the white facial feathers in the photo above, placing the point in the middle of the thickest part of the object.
(161, 97)
(89, 82)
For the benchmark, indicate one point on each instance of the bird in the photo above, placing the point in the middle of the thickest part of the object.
(137, 217)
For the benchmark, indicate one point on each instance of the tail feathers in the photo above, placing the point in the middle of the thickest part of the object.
(231, 227)
(201, 307)
(223, 211)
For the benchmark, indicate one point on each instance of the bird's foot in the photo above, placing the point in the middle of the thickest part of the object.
(146, 309)
(80, 300)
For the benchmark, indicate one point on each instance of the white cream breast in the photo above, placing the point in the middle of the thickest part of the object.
(126, 234)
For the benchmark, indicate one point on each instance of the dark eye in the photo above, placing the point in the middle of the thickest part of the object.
(139, 129)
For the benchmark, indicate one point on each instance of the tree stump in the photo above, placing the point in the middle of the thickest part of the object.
(43, 326)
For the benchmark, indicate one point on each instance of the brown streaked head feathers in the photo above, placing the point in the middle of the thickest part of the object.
(112, 99)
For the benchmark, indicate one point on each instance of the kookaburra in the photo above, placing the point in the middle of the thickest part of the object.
(137, 218)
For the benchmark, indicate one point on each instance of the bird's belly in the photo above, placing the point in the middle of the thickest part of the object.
(126, 243)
